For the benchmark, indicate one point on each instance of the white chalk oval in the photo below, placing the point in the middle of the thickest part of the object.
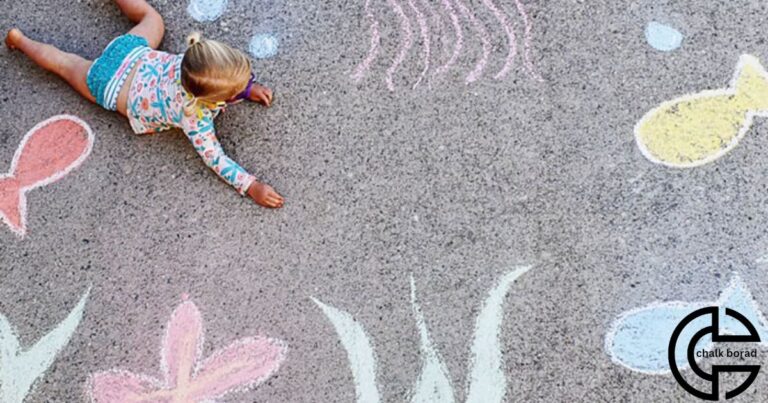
(662, 37)
(206, 10)
(263, 46)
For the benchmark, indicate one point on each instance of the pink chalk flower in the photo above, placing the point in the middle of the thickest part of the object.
(187, 378)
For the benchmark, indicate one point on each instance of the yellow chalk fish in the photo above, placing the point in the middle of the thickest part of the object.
(699, 128)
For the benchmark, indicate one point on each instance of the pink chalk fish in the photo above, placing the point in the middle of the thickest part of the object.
(187, 378)
(46, 154)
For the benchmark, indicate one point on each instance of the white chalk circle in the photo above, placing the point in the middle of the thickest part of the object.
(206, 10)
(662, 37)
(263, 46)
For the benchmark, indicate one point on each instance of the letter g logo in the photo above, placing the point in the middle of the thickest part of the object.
(714, 330)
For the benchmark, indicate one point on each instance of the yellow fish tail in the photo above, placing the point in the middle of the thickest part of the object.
(751, 84)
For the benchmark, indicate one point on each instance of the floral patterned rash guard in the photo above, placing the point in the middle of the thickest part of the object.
(156, 102)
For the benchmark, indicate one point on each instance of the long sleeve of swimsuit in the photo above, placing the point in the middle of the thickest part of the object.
(201, 132)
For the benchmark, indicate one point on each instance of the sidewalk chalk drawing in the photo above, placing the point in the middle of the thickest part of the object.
(486, 382)
(485, 41)
(186, 377)
(699, 128)
(20, 368)
(263, 46)
(406, 41)
(373, 49)
(459, 13)
(206, 10)
(638, 339)
(421, 19)
(662, 37)
(457, 33)
(46, 154)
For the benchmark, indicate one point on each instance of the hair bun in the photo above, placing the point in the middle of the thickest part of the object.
(193, 38)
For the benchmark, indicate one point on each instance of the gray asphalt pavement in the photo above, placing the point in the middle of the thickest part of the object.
(451, 183)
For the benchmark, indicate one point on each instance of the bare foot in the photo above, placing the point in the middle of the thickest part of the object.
(13, 37)
(261, 94)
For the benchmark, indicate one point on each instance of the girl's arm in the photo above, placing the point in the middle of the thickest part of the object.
(255, 92)
(201, 132)
(261, 94)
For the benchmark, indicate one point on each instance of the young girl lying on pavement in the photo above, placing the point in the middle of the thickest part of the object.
(158, 91)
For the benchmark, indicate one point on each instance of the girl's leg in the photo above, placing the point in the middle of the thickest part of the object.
(72, 68)
(149, 23)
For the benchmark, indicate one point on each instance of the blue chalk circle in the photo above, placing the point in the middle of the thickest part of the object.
(206, 10)
(263, 46)
(662, 37)
(639, 338)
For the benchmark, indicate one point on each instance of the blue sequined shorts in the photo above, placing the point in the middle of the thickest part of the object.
(109, 72)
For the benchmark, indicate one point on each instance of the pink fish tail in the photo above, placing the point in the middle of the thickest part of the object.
(12, 204)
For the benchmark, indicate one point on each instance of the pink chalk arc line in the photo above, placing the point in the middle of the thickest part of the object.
(373, 49)
(457, 33)
(511, 38)
(477, 72)
(437, 18)
(527, 42)
(405, 44)
(406, 39)
(424, 29)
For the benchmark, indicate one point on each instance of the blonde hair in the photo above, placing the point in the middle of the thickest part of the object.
(212, 71)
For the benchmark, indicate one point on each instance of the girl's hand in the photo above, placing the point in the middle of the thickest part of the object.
(261, 94)
(264, 195)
